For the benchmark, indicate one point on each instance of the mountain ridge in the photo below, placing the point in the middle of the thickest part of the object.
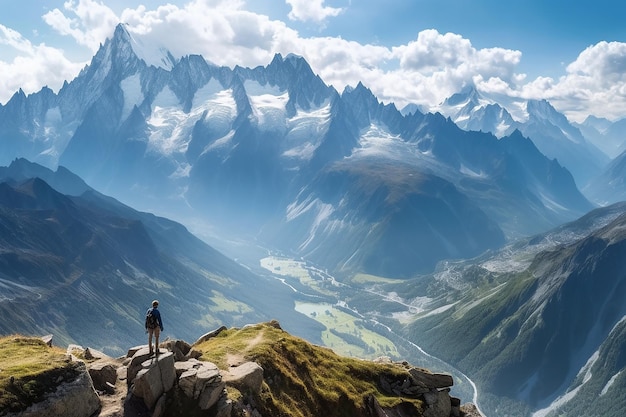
(550, 130)
(258, 369)
(541, 320)
(58, 249)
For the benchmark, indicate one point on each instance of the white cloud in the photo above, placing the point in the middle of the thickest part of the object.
(436, 65)
(223, 32)
(33, 66)
(424, 71)
(311, 10)
(92, 24)
(604, 62)
(595, 83)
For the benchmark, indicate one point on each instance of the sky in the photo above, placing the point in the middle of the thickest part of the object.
(571, 53)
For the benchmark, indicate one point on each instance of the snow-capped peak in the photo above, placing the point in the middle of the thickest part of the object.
(468, 94)
(148, 50)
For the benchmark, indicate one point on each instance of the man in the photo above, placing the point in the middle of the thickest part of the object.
(154, 325)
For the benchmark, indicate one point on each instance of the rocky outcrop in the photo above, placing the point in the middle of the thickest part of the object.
(155, 377)
(432, 388)
(200, 381)
(210, 335)
(175, 381)
(75, 398)
(103, 376)
(247, 377)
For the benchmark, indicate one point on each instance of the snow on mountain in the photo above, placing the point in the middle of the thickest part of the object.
(150, 51)
(550, 130)
(376, 140)
(305, 131)
(268, 105)
(171, 127)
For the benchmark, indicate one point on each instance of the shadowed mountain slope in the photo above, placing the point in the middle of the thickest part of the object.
(87, 267)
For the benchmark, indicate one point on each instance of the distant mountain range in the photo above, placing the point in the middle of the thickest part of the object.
(608, 136)
(273, 152)
(549, 130)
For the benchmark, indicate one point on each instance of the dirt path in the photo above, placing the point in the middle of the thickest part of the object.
(239, 358)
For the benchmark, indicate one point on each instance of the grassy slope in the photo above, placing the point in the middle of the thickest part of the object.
(304, 379)
(301, 379)
(28, 370)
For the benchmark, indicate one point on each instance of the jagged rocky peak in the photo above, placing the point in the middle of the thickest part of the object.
(124, 54)
(293, 74)
(117, 51)
(151, 53)
(468, 94)
(542, 109)
(362, 102)
(291, 65)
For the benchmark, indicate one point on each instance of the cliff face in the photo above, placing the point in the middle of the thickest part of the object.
(258, 370)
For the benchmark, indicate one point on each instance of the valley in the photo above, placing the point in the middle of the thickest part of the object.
(366, 317)
(346, 330)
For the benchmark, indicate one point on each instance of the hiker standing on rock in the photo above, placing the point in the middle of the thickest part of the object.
(154, 325)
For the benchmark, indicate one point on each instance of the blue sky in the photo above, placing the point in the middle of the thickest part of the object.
(407, 51)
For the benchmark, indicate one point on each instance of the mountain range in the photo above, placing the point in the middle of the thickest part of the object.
(551, 131)
(273, 152)
(541, 321)
(498, 262)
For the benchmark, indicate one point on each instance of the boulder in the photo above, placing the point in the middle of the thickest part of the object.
(224, 407)
(210, 395)
(182, 367)
(422, 377)
(246, 377)
(180, 348)
(136, 362)
(200, 381)
(159, 408)
(102, 373)
(455, 403)
(156, 377)
(47, 339)
(438, 404)
(210, 335)
(470, 410)
(75, 398)
(85, 353)
(133, 350)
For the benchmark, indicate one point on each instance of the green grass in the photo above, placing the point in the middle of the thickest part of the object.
(338, 322)
(295, 270)
(303, 379)
(28, 370)
(372, 279)
(222, 303)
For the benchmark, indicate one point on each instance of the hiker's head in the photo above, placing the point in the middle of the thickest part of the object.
(155, 303)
